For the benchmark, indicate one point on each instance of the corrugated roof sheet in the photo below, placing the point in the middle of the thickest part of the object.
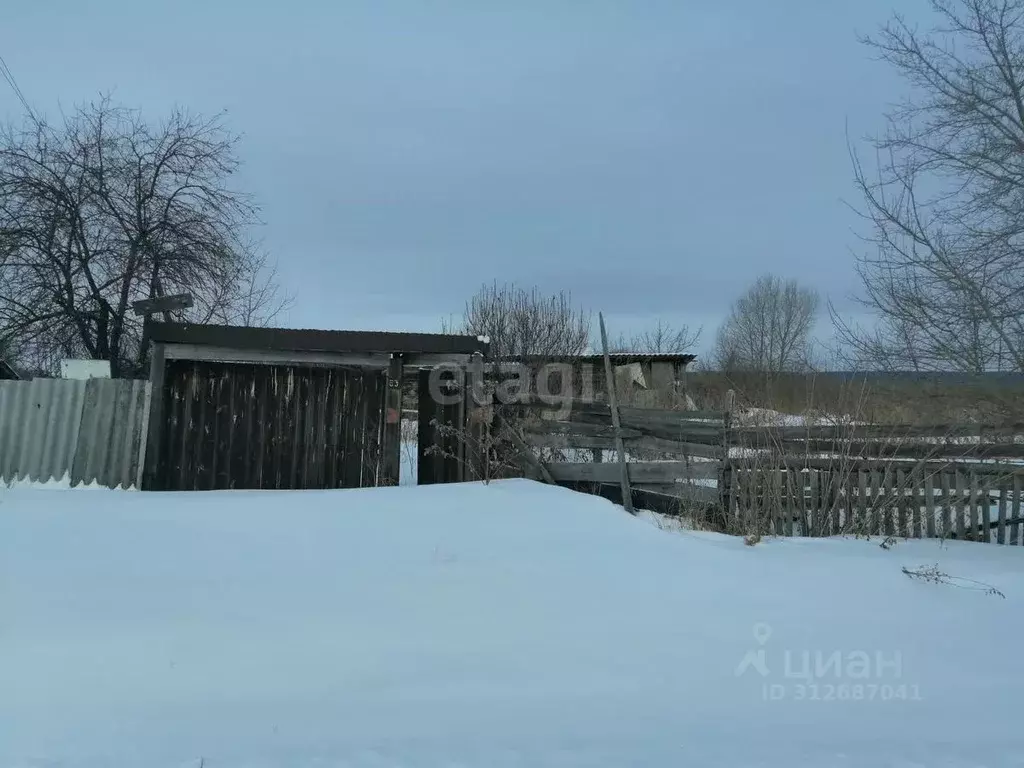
(313, 340)
(619, 358)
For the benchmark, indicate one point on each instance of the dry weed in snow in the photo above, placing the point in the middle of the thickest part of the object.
(931, 573)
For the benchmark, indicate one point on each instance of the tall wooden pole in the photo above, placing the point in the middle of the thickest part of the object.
(609, 375)
(392, 459)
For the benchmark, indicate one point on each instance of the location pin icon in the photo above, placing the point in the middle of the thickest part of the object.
(762, 632)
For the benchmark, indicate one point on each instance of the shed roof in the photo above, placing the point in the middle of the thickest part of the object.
(312, 340)
(618, 358)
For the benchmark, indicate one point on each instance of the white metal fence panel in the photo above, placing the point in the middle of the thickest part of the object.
(39, 422)
(91, 431)
(112, 438)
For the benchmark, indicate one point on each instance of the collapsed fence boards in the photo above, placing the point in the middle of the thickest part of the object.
(674, 453)
(905, 500)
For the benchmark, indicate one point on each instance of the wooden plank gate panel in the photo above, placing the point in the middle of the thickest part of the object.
(442, 425)
(249, 426)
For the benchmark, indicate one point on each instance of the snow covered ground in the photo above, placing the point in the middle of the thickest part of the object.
(495, 626)
(410, 445)
(409, 463)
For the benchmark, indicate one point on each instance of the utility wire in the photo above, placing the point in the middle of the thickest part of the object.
(7, 75)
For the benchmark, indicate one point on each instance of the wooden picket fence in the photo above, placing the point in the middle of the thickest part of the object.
(790, 496)
(905, 480)
(958, 481)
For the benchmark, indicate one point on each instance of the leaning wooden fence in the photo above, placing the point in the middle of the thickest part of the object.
(675, 453)
(943, 480)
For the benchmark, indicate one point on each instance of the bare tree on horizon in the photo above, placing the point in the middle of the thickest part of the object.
(663, 338)
(768, 330)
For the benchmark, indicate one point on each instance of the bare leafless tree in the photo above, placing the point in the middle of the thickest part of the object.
(944, 272)
(768, 329)
(103, 209)
(253, 297)
(535, 328)
(662, 338)
(526, 322)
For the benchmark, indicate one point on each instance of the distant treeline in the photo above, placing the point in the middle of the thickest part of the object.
(878, 396)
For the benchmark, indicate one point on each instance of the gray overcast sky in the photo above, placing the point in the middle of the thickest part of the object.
(651, 157)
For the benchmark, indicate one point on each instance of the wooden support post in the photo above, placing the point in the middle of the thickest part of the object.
(609, 374)
(427, 434)
(476, 427)
(975, 492)
(393, 423)
(155, 427)
(1003, 492)
(460, 431)
(929, 505)
(1015, 532)
(725, 479)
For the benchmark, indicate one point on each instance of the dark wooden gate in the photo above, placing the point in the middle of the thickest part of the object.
(442, 424)
(232, 425)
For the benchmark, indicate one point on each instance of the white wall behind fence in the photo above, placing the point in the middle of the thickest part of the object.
(91, 431)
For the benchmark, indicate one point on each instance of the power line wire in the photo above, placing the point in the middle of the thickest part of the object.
(9, 77)
(5, 71)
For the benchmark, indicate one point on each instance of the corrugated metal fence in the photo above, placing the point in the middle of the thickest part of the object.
(91, 431)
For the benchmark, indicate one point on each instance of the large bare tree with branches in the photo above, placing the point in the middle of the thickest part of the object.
(768, 330)
(103, 209)
(944, 273)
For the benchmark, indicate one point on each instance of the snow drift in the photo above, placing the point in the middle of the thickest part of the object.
(503, 625)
